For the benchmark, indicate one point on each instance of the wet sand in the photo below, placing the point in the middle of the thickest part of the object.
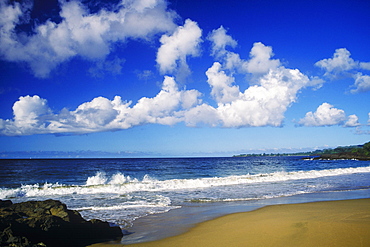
(331, 223)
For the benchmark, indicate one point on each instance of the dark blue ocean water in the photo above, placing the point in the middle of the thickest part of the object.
(123, 190)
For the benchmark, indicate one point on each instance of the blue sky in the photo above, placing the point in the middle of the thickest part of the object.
(182, 78)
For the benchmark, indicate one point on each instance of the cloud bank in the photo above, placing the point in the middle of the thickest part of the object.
(271, 87)
(262, 104)
(32, 115)
(90, 36)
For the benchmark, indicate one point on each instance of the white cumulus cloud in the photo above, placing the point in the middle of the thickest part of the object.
(29, 113)
(362, 83)
(259, 105)
(222, 89)
(220, 40)
(203, 114)
(80, 33)
(352, 121)
(263, 104)
(32, 115)
(261, 61)
(266, 103)
(341, 64)
(175, 48)
(325, 115)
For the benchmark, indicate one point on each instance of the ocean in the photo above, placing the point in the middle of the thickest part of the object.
(133, 191)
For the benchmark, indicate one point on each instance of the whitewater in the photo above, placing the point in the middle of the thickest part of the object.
(123, 190)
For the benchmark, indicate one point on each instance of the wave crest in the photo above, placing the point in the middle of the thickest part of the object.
(101, 178)
(123, 185)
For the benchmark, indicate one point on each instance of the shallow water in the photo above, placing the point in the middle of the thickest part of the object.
(123, 191)
(175, 222)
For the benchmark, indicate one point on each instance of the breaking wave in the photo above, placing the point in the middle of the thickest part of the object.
(121, 184)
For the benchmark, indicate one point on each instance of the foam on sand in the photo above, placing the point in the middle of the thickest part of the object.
(332, 223)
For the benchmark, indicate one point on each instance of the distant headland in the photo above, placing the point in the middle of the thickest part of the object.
(360, 152)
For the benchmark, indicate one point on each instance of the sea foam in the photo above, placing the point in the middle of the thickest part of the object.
(120, 184)
(101, 178)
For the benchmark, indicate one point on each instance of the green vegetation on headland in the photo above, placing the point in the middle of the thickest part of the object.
(361, 152)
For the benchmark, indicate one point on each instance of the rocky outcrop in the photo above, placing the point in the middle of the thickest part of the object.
(342, 156)
(49, 223)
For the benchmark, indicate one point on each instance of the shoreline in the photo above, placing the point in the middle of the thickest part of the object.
(332, 223)
(178, 221)
(324, 223)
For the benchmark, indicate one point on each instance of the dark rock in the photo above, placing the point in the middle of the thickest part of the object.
(5, 203)
(49, 223)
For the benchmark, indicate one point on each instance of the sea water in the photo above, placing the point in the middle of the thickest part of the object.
(122, 191)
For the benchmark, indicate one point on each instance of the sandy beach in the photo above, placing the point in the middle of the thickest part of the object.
(332, 223)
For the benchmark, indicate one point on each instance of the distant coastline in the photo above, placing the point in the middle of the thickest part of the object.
(360, 152)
